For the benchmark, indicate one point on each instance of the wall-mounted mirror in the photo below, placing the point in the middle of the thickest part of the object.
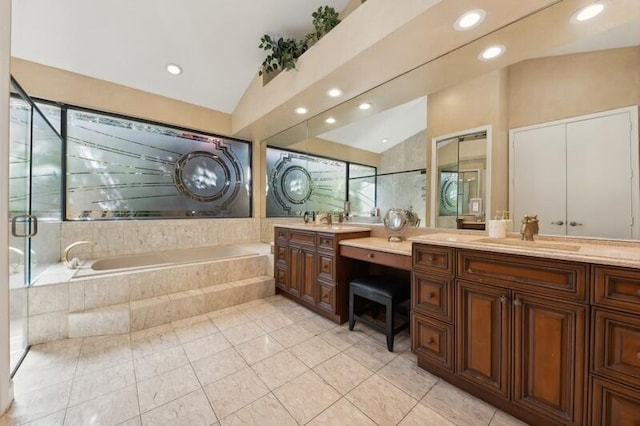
(544, 75)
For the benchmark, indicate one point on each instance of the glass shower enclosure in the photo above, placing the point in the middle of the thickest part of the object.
(35, 182)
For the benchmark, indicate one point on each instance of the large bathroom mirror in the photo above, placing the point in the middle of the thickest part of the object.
(544, 76)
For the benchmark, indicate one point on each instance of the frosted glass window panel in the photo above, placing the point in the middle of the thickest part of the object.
(403, 190)
(46, 163)
(297, 183)
(19, 154)
(362, 189)
(121, 168)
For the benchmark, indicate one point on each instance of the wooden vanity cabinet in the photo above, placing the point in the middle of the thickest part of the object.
(307, 270)
(520, 331)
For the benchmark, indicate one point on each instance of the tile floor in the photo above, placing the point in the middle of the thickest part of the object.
(267, 362)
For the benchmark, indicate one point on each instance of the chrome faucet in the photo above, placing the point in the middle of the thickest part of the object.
(73, 263)
(529, 227)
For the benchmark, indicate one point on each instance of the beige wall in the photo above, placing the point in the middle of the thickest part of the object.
(63, 86)
(560, 87)
(479, 102)
(323, 147)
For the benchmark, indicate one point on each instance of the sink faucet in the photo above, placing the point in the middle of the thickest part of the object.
(529, 227)
(73, 263)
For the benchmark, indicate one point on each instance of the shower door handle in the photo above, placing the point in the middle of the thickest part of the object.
(29, 218)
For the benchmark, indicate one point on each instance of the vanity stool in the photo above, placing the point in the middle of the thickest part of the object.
(387, 291)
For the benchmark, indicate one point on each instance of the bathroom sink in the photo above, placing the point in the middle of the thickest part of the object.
(528, 244)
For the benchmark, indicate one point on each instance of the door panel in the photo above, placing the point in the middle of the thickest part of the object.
(483, 336)
(549, 357)
(599, 184)
(539, 179)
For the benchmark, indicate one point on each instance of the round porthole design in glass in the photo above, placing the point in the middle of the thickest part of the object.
(205, 177)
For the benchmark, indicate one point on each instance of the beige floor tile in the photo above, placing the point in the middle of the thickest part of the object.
(274, 321)
(55, 419)
(370, 354)
(160, 362)
(259, 348)
(342, 413)
(342, 338)
(230, 320)
(291, 335)
(214, 367)
(195, 331)
(95, 343)
(503, 419)
(296, 312)
(279, 369)
(102, 359)
(314, 351)
(408, 376)
(166, 387)
(235, 391)
(457, 405)
(101, 383)
(110, 409)
(421, 415)
(401, 341)
(136, 421)
(266, 411)
(189, 321)
(316, 324)
(243, 333)
(258, 311)
(209, 345)
(343, 373)
(223, 312)
(146, 344)
(39, 403)
(190, 410)
(381, 401)
(29, 380)
(295, 396)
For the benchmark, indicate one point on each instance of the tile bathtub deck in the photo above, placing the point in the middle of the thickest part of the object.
(266, 362)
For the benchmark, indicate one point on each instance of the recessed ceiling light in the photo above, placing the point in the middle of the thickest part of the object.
(301, 110)
(385, 140)
(174, 69)
(330, 120)
(469, 20)
(334, 93)
(492, 52)
(364, 105)
(587, 12)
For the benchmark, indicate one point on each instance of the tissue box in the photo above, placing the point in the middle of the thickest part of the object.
(497, 228)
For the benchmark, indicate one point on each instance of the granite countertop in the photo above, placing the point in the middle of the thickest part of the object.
(332, 229)
(379, 244)
(604, 252)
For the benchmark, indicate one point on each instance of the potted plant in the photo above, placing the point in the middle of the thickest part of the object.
(324, 20)
(282, 54)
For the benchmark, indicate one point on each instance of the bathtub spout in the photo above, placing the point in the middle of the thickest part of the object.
(73, 263)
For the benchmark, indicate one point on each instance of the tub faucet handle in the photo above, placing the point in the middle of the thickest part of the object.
(73, 263)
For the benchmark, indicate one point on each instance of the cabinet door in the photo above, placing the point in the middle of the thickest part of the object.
(614, 404)
(482, 332)
(549, 357)
(599, 177)
(538, 166)
(308, 275)
(296, 264)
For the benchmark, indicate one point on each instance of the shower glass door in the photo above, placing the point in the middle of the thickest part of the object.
(21, 118)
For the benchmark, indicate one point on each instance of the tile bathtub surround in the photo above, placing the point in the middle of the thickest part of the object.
(229, 368)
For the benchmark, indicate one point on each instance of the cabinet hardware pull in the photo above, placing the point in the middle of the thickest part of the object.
(430, 296)
(370, 255)
(503, 299)
(469, 270)
(517, 302)
(638, 292)
(429, 341)
(574, 223)
(430, 259)
(559, 222)
(638, 355)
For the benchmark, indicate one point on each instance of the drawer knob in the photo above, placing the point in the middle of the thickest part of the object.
(370, 255)
(429, 258)
(469, 270)
(429, 341)
(638, 292)
(517, 302)
(503, 299)
(431, 296)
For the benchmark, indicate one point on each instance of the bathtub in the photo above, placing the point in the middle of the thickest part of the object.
(132, 262)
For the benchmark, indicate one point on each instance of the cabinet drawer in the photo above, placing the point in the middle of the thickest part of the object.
(281, 236)
(394, 260)
(327, 267)
(432, 340)
(617, 346)
(282, 277)
(302, 238)
(617, 288)
(326, 297)
(613, 404)
(280, 252)
(552, 277)
(326, 242)
(433, 259)
(432, 295)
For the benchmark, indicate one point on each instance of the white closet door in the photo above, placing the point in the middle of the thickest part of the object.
(539, 179)
(599, 183)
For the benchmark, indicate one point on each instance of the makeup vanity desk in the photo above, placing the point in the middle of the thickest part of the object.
(378, 251)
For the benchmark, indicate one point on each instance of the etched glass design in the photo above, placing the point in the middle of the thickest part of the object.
(122, 168)
(362, 189)
(298, 183)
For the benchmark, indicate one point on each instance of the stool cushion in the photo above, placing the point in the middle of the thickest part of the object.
(383, 286)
